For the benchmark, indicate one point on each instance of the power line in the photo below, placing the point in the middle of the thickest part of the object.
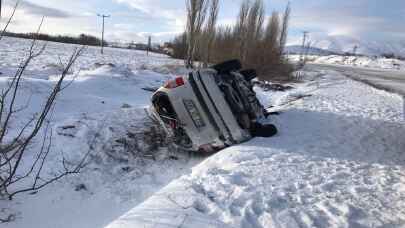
(102, 33)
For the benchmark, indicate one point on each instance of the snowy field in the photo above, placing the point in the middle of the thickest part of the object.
(338, 160)
(358, 61)
(103, 108)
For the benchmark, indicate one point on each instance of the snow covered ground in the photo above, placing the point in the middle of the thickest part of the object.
(359, 61)
(338, 160)
(104, 109)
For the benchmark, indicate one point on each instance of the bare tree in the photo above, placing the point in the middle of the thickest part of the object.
(257, 46)
(14, 146)
(254, 31)
(284, 28)
(269, 56)
(240, 29)
(210, 30)
(255, 20)
(3, 31)
(180, 46)
(225, 45)
(272, 34)
(196, 13)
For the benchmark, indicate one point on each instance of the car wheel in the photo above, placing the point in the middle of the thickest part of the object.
(228, 66)
(266, 131)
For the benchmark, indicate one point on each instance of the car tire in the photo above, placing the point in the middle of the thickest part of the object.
(265, 131)
(249, 74)
(228, 66)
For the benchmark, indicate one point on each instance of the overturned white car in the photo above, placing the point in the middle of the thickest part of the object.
(211, 109)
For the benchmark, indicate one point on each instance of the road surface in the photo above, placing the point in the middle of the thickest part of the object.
(389, 80)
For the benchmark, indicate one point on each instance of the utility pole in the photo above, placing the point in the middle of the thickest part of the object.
(304, 40)
(1, 1)
(102, 34)
(149, 45)
(355, 49)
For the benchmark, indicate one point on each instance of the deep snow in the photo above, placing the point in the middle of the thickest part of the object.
(103, 109)
(337, 162)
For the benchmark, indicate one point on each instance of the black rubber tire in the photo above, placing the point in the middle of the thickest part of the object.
(249, 74)
(265, 131)
(228, 66)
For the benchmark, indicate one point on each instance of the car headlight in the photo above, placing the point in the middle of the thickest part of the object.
(194, 113)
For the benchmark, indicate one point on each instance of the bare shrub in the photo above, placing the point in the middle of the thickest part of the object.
(13, 151)
(17, 143)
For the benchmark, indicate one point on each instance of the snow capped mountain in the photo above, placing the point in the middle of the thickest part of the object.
(346, 44)
(297, 49)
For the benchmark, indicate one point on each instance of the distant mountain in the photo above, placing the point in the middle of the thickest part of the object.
(345, 44)
(297, 49)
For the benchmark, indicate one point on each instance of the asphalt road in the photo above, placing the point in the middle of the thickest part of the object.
(389, 80)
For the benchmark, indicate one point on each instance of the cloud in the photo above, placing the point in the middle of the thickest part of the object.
(362, 19)
(142, 37)
(125, 32)
(171, 12)
(131, 19)
(38, 10)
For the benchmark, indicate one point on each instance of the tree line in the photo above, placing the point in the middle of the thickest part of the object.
(82, 39)
(258, 42)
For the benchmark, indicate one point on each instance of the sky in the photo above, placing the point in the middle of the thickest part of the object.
(135, 20)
